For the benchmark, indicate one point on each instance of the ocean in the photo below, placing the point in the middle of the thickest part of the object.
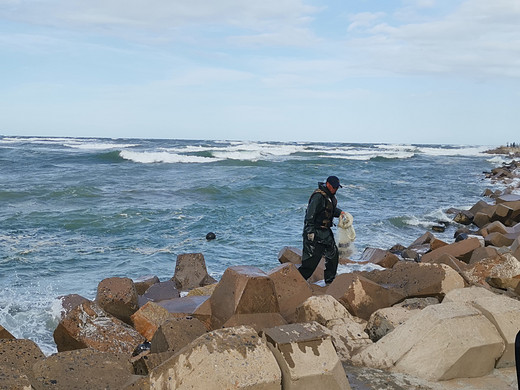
(77, 210)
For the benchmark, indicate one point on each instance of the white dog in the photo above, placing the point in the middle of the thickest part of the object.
(346, 235)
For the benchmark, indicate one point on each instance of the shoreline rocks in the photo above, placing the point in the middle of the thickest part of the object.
(438, 311)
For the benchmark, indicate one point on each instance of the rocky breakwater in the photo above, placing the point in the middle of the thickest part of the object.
(436, 312)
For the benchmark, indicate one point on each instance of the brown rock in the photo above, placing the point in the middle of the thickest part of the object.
(88, 325)
(380, 257)
(504, 266)
(149, 317)
(291, 289)
(191, 272)
(242, 290)
(461, 250)
(482, 253)
(482, 207)
(174, 334)
(436, 244)
(464, 218)
(70, 302)
(454, 263)
(424, 239)
(290, 254)
(481, 219)
(498, 239)
(160, 292)
(143, 283)
(362, 296)
(17, 357)
(502, 212)
(417, 279)
(83, 369)
(118, 296)
(4, 333)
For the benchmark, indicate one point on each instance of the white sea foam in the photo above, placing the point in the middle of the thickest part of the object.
(447, 150)
(98, 145)
(163, 157)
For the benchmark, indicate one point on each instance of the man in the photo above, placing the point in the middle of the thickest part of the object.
(318, 239)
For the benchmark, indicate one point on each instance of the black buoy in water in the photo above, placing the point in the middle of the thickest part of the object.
(210, 236)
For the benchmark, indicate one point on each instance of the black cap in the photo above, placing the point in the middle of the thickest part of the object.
(334, 182)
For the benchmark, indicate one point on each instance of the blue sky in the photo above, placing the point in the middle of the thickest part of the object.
(424, 71)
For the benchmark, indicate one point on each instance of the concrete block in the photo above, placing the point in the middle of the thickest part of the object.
(191, 272)
(230, 358)
(176, 333)
(118, 297)
(306, 357)
(242, 290)
(291, 289)
(88, 325)
(439, 343)
(83, 369)
(149, 317)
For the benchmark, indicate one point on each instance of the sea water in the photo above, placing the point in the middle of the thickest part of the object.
(74, 211)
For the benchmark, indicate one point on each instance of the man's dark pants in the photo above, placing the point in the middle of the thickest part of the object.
(312, 254)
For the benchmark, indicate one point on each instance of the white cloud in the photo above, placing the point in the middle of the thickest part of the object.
(161, 14)
(479, 39)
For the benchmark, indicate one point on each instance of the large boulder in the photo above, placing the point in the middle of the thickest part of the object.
(438, 343)
(230, 358)
(501, 311)
(88, 325)
(118, 296)
(347, 332)
(482, 253)
(380, 257)
(17, 357)
(504, 266)
(191, 272)
(290, 254)
(291, 289)
(362, 296)
(148, 318)
(83, 369)
(70, 302)
(306, 357)
(461, 250)
(176, 333)
(245, 295)
(418, 279)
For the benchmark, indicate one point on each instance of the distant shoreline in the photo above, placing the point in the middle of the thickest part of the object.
(509, 150)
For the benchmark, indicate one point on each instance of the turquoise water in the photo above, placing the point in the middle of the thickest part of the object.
(75, 211)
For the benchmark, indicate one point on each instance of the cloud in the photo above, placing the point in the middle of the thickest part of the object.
(479, 39)
(163, 15)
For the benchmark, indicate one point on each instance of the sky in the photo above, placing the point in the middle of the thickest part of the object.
(396, 71)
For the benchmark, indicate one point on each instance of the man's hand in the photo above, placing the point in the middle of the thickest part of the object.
(310, 236)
